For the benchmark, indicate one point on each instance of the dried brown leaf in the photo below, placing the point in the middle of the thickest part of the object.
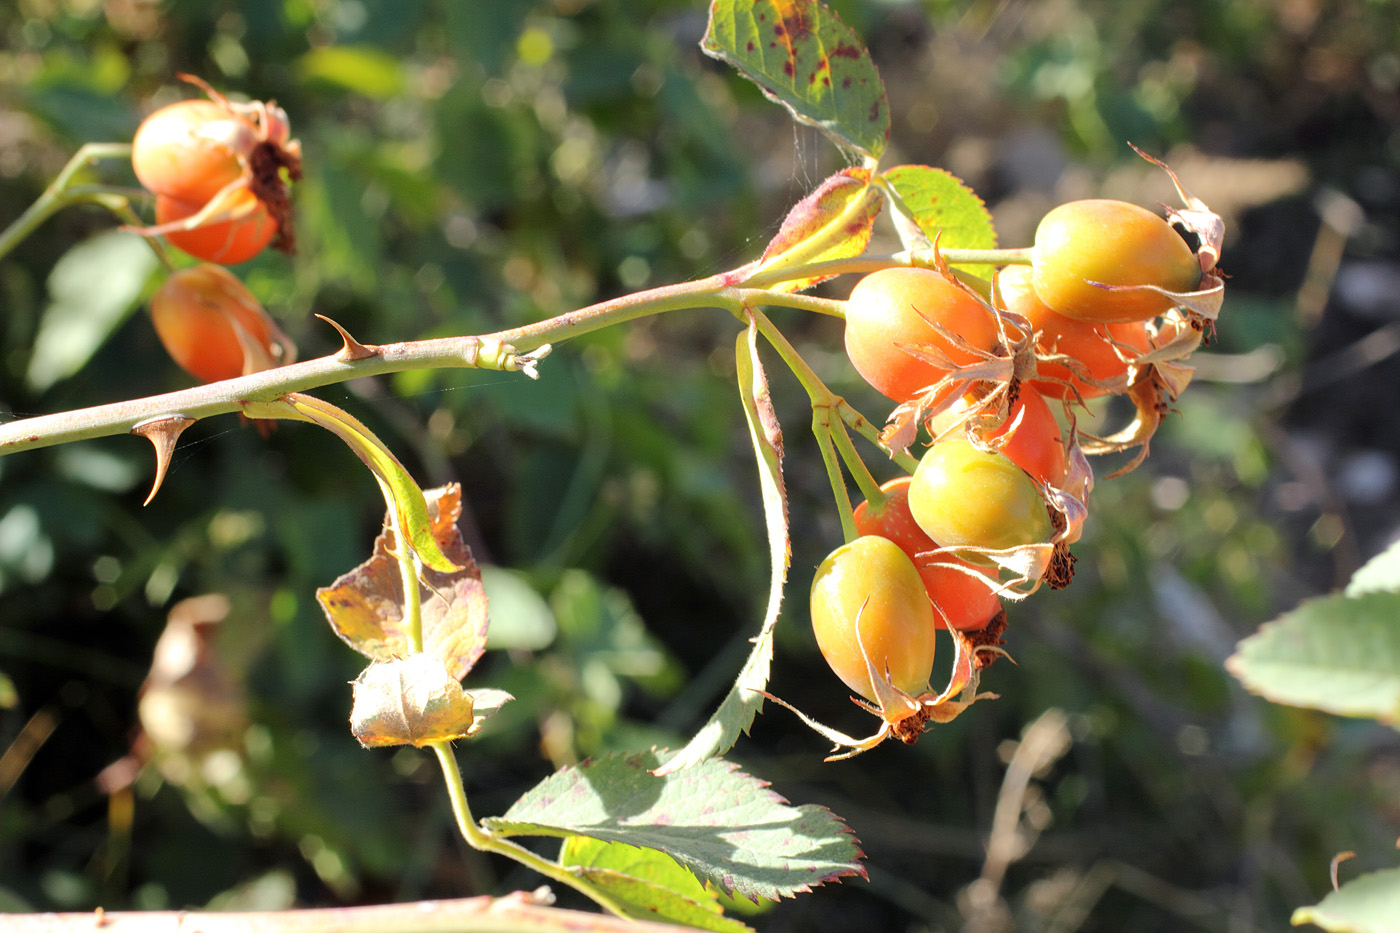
(365, 607)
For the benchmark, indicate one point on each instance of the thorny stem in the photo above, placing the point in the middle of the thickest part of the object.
(729, 291)
(486, 841)
(232, 395)
(57, 196)
(717, 291)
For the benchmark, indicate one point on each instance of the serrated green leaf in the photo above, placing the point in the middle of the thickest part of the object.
(1368, 904)
(1381, 574)
(1337, 654)
(833, 222)
(743, 702)
(646, 900)
(935, 204)
(92, 289)
(725, 826)
(802, 56)
(648, 884)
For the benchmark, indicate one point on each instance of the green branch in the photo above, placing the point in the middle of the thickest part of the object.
(59, 195)
(485, 841)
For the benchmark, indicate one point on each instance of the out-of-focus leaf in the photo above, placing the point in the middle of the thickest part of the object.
(92, 289)
(415, 195)
(725, 826)
(649, 884)
(1381, 574)
(520, 617)
(602, 634)
(488, 155)
(12, 903)
(365, 607)
(275, 890)
(371, 72)
(935, 204)
(802, 56)
(193, 701)
(742, 703)
(833, 222)
(485, 30)
(81, 113)
(1369, 904)
(1338, 654)
(339, 232)
(98, 467)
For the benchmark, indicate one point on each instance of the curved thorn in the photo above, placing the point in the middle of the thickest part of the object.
(351, 349)
(162, 431)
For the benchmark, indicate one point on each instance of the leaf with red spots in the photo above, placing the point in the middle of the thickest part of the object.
(726, 826)
(930, 203)
(802, 56)
(833, 222)
(365, 607)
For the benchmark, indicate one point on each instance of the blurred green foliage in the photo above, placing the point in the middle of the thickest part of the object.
(475, 165)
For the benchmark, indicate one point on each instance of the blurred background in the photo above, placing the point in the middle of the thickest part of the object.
(474, 166)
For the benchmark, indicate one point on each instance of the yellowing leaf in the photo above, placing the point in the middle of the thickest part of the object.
(365, 607)
(833, 222)
(409, 701)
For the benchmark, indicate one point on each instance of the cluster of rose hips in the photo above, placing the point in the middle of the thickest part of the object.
(1113, 298)
(219, 172)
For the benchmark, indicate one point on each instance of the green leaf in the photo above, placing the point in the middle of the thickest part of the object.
(725, 826)
(521, 619)
(371, 72)
(92, 289)
(743, 702)
(802, 56)
(833, 222)
(930, 203)
(1337, 654)
(1381, 574)
(646, 883)
(1368, 904)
